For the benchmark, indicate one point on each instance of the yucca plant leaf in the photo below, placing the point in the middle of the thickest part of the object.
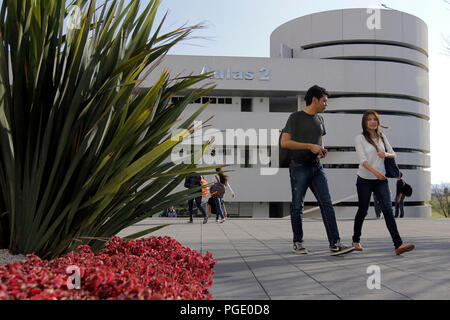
(85, 151)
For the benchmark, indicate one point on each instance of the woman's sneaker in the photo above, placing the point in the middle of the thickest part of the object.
(299, 249)
(338, 249)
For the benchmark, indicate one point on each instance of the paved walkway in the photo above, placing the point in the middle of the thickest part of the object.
(254, 259)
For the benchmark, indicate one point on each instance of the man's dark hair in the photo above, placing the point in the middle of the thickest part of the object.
(315, 91)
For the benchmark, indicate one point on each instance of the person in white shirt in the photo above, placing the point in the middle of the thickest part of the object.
(372, 147)
(222, 178)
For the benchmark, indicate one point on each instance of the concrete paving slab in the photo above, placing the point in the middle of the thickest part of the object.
(255, 261)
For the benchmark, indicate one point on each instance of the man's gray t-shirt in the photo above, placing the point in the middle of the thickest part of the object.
(305, 128)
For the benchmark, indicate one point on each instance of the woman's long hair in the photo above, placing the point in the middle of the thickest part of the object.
(366, 132)
(222, 176)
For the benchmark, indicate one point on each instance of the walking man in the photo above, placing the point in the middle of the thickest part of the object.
(192, 182)
(302, 135)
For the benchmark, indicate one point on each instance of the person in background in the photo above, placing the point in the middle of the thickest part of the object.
(372, 146)
(399, 196)
(171, 213)
(222, 178)
(192, 182)
(377, 206)
(212, 209)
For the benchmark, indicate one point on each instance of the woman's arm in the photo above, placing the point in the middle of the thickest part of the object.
(389, 151)
(377, 173)
(232, 192)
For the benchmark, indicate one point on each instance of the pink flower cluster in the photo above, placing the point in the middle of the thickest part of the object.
(150, 268)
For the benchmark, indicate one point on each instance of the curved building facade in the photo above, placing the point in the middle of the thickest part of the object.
(366, 59)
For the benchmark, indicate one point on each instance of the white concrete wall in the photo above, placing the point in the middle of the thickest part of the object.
(402, 99)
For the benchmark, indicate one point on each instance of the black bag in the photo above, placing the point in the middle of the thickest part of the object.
(392, 170)
(283, 154)
(407, 190)
(187, 183)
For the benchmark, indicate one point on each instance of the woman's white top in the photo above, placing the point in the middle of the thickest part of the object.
(367, 152)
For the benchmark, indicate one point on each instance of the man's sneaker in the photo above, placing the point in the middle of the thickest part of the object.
(338, 249)
(191, 221)
(299, 249)
(404, 248)
(205, 220)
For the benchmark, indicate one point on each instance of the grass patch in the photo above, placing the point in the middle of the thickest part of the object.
(435, 209)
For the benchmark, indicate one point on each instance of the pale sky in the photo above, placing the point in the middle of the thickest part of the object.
(243, 28)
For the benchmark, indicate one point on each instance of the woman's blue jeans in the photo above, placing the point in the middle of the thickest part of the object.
(365, 187)
(219, 210)
(304, 177)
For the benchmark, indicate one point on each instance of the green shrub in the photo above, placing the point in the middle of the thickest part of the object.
(85, 152)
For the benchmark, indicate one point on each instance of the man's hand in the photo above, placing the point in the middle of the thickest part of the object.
(324, 152)
(316, 149)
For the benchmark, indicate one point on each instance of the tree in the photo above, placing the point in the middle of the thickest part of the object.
(84, 151)
(442, 195)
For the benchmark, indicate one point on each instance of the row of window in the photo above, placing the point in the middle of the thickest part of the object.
(285, 104)
(203, 100)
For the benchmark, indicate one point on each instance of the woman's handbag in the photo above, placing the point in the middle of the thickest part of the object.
(392, 170)
(391, 166)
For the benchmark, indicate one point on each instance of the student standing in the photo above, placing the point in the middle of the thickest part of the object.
(302, 135)
(399, 196)
(372, 147)
(377, 206)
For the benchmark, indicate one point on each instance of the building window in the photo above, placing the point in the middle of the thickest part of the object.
(246, 105)
(283, 104)
(221, 100)
(228, 101)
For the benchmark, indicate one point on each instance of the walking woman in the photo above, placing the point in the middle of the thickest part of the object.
(372, 147)
(222, 178)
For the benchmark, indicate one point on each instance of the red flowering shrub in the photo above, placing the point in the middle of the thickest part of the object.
(150, 268)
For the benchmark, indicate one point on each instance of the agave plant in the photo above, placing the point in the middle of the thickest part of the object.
(84, 150)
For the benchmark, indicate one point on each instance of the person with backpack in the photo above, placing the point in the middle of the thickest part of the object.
(212, 209)
(192, 182)
(302, 136)
(377, 206)
(221, 181)
(402, 189)
(372, 146)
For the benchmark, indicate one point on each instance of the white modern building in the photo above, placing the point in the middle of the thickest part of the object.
(366, 59)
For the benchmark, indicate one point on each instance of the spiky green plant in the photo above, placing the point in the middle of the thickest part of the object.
(83, 152)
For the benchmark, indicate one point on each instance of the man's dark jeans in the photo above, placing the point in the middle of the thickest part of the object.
(365, 188)
(198, 203)
(302, 178)
(399, 206)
